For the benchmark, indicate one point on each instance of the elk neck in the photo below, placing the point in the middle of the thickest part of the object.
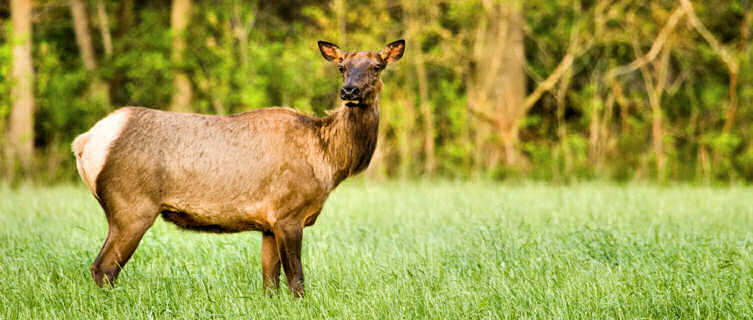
(349, 137)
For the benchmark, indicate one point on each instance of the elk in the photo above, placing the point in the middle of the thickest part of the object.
(269, 170)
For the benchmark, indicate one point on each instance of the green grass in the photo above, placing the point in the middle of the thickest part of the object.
(408, 251)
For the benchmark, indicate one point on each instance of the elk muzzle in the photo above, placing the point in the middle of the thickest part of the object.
(351, 95)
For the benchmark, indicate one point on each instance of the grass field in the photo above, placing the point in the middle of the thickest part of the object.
(406, 251)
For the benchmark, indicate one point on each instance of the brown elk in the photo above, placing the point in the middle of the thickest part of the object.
(269, 170)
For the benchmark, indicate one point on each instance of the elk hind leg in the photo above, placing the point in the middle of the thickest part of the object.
(270, 261)
(126, 227)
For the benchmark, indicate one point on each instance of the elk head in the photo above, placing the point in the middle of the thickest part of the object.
(361, 70)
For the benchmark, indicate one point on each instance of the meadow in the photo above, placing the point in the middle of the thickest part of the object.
(405, 250)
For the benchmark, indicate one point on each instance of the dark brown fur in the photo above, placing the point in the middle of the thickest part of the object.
(269, 170)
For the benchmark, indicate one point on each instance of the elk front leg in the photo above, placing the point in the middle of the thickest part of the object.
(270, 261)
(289, 238)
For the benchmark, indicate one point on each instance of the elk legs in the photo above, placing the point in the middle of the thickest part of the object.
(289, 238)
(123, 236)
(270, 261)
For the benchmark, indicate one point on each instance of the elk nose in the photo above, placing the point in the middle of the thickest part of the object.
(349, 93)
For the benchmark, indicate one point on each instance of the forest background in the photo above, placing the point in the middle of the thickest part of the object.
(551, 90)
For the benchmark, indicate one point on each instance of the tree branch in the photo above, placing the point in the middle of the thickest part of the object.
(656, 47)
(483, 115)
(574, 49)
(728, 59)
(550, 81)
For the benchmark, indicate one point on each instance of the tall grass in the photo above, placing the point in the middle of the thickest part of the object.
(406, 251)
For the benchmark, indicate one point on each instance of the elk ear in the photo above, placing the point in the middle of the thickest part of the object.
(331, 51)
(393, 51)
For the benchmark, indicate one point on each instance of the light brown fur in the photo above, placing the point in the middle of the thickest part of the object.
(269, 170)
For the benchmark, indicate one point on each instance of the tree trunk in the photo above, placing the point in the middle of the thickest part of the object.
(124, 21)
(21, 126)
(125, 18)
(426, 113)
(241, 31)
(563, 144)
(498, 88)
(339, 7)
(415, 23)
(104, 27)
(99, 90)
(655, 83)
(83, 36)
(181, 14)
(729, 120)
(512, 85)
(404, 134)
(594, 134)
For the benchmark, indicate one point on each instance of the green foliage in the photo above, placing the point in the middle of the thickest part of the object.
(59, 96)
(142, 59)
(5, 80)
(244, 55)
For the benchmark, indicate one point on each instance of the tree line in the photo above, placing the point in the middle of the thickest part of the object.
(551, 89)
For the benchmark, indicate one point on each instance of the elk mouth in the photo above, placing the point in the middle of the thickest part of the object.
(352, 103)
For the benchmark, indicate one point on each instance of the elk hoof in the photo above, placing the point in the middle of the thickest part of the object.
(104, 277)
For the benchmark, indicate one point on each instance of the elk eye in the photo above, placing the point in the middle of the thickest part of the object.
(341, 68)
(377, 68)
